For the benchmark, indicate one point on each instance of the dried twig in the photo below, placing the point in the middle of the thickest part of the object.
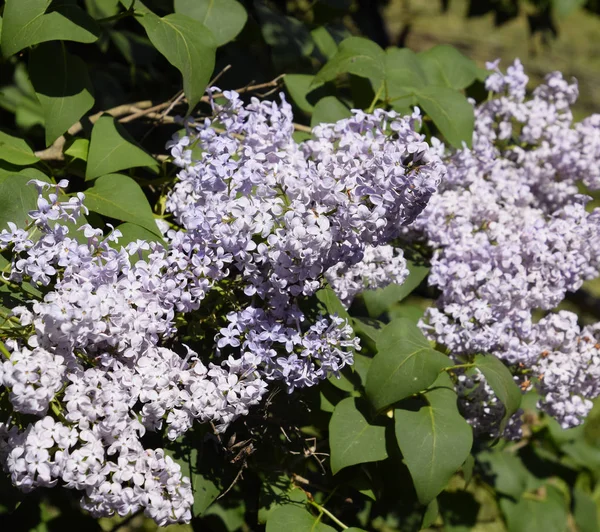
(133, 111)
(55, 151)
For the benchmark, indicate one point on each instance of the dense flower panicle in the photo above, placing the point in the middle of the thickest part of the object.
(260, 221)
(510, 235)
(33, 378)
(379, 267)
(568, 366)
(277, 216)
(282, 214)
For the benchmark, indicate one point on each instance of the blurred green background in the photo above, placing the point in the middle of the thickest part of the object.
(559, 35)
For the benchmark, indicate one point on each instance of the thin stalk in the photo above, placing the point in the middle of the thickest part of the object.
(325, 511)
(459, 366)
(4, 350)
(375, 99)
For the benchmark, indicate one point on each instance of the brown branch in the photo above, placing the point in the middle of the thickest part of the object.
(300, 127)
(133, 111)
(55, 151)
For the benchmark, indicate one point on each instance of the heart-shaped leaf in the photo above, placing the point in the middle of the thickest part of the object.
(25, 23)
(111, 150)
(188, 45)
(225, 18)
(435, 440)
(502, 383)
(357, 56)
(404, 365)
(120, 197)
(352, 439)
(16, 151)
(62, 86)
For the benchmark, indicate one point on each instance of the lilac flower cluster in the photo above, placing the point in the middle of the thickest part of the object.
(379, 267)
(261, 211)
(100, 360)
(511, 235)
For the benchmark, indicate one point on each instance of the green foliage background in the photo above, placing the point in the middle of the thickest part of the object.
(89, 91)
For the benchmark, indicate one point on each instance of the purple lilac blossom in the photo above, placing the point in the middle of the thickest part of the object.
(256, 214)
(511, 235)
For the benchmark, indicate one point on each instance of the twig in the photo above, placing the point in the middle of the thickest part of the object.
(212, 82)
(237, 477)
(300, 127)
(144, 112)
(133, 111)
(55, 151)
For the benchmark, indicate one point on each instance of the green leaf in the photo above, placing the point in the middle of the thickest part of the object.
(380, 300)
(188, 45)
(331, 302)
(21, 100)
(501, 381)
(79, 149)
(445, 66)
(468, 468)
(16, 151)
(585, 512)
(293, 518)
(411, 312)
(342, 382)
(289, 37)
(563, 8)
(361, 366)
(276, 493)
(17, 198)
(367, 327)
(352, 439)
(435, 440)
(324, 41)
(132, 232)
(120, 197)
(26, 23)
(298, 87)
(357, 56)
(531, 515)
(102, 8)
(111, 150)
(205, 489)
(62, 86)
(431, 513)
(362, 482)
(230, 515)
(450, 111)
(583, 454)
(404, 365)
(329, 110)
(403, 73)
(224, 18)
(508, 474)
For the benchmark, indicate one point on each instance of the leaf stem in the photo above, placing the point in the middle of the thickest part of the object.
(458, 366)
(123, 14)
(323, 510)
(376, 98)
(4, 350)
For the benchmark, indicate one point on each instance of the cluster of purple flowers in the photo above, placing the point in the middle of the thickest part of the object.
(381, 266)
(511, 235)
(259, 219)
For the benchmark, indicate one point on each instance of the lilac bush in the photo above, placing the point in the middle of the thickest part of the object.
(510, 236)
(258, 221)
